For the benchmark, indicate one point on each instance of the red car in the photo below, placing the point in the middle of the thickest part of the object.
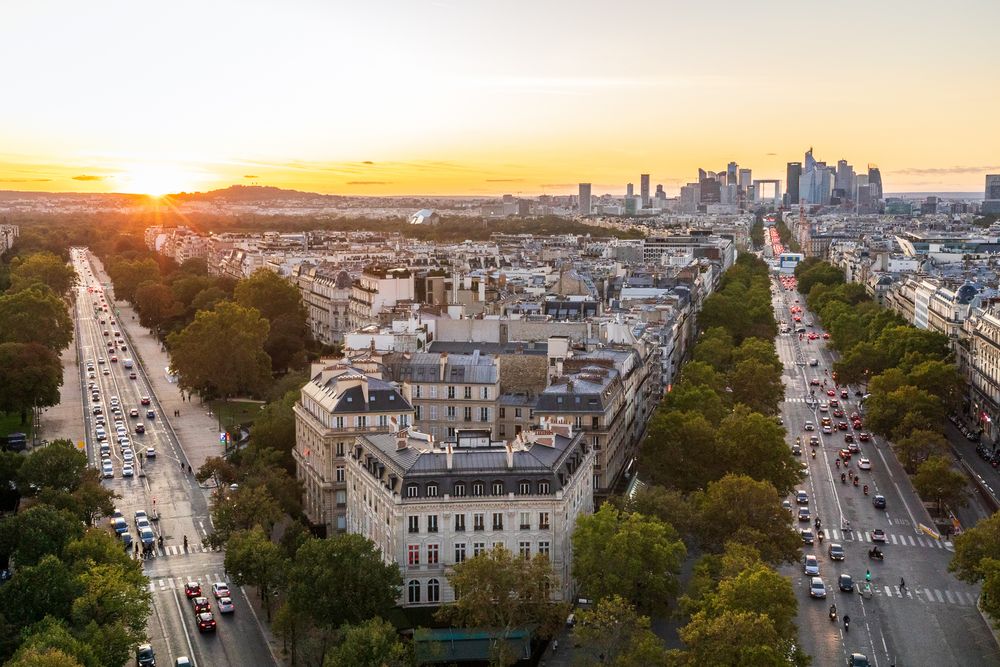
(206, 622)
(831, 392)
(192, 589)
(826, 336)
(842, 426)
(843, 393)
(144, 400)
(834, 403)
(838, 413)
(201, 604)
(845, 454)
(864, 437)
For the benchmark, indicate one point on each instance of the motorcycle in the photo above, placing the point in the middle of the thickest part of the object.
(847, 624)
(833, 613)
(875, 554)
(843, 478)
(866, 489)
(838, 462)
(855, 481)
(814, 453)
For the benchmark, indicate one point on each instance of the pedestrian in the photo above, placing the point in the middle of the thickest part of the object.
(902, 584)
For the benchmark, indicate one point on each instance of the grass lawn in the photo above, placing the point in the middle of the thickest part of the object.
(233, 413)
(10, 422)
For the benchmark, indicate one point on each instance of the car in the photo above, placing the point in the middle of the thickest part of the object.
(147, 537)
(126, 538)
(826, 336)
(144, 400)
(807, 536)
(92, 376)
(857, 425)
(144, 656)
(131, 376)
(843, 393)
(106, 372)
(95, 397)
(864, 436)
(804, 514)
(817, 589)
(879, 501)
(150, 414)
(814, 440)
(140, 524)
(133, 413)
(205, 622)
(101, 361)
(150, 452)
(845, 583)
(97, 410)
(201, 604)
(128, 456)
(114, 359)
(118, 334)
(814, 382)
(878, 535)
(801, 497)
(120, 525)
(107, 470)
(192, 589)
(842, 426)
(805, 468)
(220, 589)
(140, 514)
(128, 470)
(845, 454)
(140, 429)
(826, 421)
(864, 463)
(827, 429)
(810, 564)
(122, 348)
(824, 407)
(836, 551)
(183, 661)
(809, 426)
(858, 660)
(838, 413)
(831, 392)
(814, 362)
(853, 448)
(226, 605)
(834, 403)
(848, 438)
(796, 450)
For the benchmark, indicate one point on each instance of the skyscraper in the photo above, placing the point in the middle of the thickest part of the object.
(584, 199)
(746, 180)
(875, 181)
(844, 180)
(629, 190)
(792, 172)
(732, 174)
(644, 189)
(991, 199)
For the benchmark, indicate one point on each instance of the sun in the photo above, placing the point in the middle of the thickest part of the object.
(155, 180)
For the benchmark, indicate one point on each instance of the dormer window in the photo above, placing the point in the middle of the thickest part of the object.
(524, 487)
(497, 488)
(459, 489)
(478, 488)
(432, 490)
(543, 488)
(412, 491)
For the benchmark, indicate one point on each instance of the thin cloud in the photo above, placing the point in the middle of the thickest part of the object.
(88, 177)
(367, 162)
(559, 185)
(25, 180)
(944, 171)
(250, 176)
(770, 153)
(504, 180)
(369, 182)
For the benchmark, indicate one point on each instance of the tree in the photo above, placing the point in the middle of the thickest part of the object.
(209, 298)
(59, 466)
(374, 643)
(280, 302)
(219, 470)
(940, 378)
(734, 638)
(35, 315)
(860, 363)
(715, 348)
(667, 505)
(39, 531)
(696, 398)
(30, 377)
(98, 547)
(156, 304)
(274, 428)
(114, 595)
(918, 446)
(900, 341)
(680, 451)
(646, 552)
(613, 633)
(695, 373)
(242, 509)
(754, 445)
(251, 558)
(500, 593)
(222, 352)
(759, 589)
(42, 267)
(52, 633)
(976, 560)
(887, 412)
(741, 509)
(128, 274)
(50, 657)
(46, 588)
(341, 580)
(822, 273)
(937, 480)
(756, 385)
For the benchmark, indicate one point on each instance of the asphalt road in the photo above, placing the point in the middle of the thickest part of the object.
(933, 619)
(160, 484)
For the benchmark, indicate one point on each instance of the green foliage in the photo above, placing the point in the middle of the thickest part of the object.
(247, 507)
(646, 552)
(51, 633)
(221, 353)
(888, 412)
(156, 304)
(42, 267)
(937, 480)
(750, 444)
(40, 589)
(680, 451)
(819, 273)
(35, 315)
(973, 547)
(918, 446)
(280, 302)
(274, 428)
(734, 638)
(614, 633)
(30, 375)
(59, 466)
(668, 505)
(715, 348)
(37, 532)
(374, 643)
(757, 385)
(251, 558)
(127, 274)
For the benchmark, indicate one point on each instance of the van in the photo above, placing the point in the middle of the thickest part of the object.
(127, 363)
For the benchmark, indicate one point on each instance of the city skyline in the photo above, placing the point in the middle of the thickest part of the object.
(443, 98)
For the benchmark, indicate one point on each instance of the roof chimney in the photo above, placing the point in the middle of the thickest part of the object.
(401, 439)
(442, 362)
(510, 456)
(447, 456)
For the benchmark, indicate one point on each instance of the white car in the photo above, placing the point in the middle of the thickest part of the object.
(864, 463)
(809, 426)
(827, 430)
(824, 407)
(127, 470)
(220, 589)
(225, 605)
(817, 589)
(107, 470)
(810, 564)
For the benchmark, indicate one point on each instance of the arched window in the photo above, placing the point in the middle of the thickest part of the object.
(459, 489)
(412, 490)
(497, 488)
(414, 591)
(433, 591)
(432, 490)
(543, 488)
(524, 487)
(478, 488)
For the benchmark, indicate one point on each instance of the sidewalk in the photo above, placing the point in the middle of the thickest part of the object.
(65, 420)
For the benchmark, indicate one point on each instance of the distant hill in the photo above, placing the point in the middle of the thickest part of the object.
(236, 193)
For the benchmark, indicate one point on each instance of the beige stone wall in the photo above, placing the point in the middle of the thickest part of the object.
(522, 373)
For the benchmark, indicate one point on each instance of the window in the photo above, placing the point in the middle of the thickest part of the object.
(595, 422)
(478, 521)
(467, 413)
(498, 521)
(503, 413)
(363, 421)
(485, 393)
(524, 549)
(451, 412)
(517, 413)
(543, 488)
(459, 523)
(433, 590)
(498, 488)
(524, 487)
(432, 490)
(459, 489)
(451, 392)
(451, 431)
(543, 521)
(416, 412)
(478, 549)
(434, 391)
(412, 491)
(484, 414)
(543, 549)
(432, 523)
(340, 449)
(525, 522)
(414, 524)
(340, 473)
(416, 391)
(478, 488)
(432, 554)
(503, 430)
(460, 552)
(340, 422)
(413, 589)
(468, 393)
(413, 554)
(383, 420)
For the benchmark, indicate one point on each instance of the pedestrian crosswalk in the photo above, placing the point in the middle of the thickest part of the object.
(171, 583)
(890, 539)
(927, 595)
(178, 550)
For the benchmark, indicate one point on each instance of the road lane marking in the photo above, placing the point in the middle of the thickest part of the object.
(912, 543)
(938, 595)
(187, 635)
(950, 598)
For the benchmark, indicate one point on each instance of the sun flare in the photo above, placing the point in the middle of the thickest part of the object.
(155, 180)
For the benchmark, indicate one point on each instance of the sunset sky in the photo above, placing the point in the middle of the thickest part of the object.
(479, 96)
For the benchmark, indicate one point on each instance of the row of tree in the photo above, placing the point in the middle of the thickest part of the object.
(908, 373)
(75, 597)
